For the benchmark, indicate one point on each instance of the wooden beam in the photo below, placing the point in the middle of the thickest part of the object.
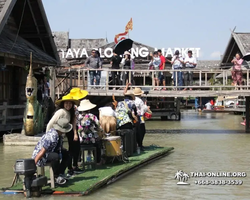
(34, 19)
(5, 12)
(40, 36)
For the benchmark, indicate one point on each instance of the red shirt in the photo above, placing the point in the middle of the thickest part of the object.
(163, 60)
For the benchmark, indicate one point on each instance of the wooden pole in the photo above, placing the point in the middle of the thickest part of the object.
(52, 83)
(247, 129)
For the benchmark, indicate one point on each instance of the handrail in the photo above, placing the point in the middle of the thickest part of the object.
(203, 79)
(62, 81)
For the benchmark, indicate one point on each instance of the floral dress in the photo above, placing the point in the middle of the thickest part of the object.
(89, 128)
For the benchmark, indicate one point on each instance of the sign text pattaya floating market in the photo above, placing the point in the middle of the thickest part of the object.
(135, 52)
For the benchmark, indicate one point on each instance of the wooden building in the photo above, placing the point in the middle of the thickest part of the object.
(238, 43)
(24, 28)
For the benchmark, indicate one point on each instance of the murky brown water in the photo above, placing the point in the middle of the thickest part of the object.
(203, 143)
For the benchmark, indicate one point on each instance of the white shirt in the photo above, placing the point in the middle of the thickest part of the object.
(191, 60)
(177, 63)
(208, 106)
(107, 111)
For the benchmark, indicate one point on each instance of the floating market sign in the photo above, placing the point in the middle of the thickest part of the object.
(135, 52)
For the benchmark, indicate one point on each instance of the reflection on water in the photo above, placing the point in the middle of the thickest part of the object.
(194, 152)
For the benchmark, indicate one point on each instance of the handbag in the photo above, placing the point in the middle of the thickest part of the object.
(148, 114)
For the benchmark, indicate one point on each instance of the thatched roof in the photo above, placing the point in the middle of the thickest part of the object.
(32, 35)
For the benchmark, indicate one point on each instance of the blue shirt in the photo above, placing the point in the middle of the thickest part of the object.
(49, 141)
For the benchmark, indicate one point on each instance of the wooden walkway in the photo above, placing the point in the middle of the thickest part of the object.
(171, 93)
(202, 84)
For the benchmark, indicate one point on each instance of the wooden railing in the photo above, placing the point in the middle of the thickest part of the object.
(5, 116)
(204, 79)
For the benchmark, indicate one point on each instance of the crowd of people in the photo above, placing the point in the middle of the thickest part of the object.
(75, 120)
(184, 79)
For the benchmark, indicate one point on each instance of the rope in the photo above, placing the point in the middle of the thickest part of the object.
(21, 20)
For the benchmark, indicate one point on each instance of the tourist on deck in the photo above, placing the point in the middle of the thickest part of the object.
(141, 109)
(162, 67)
(177, 62)
(94, 62)
(66, 110)
(50, 149)
(237, 71)
(127, 63)
(107, 119)
(155, 63)
(89, 129)
(190, 62)
(115, 64)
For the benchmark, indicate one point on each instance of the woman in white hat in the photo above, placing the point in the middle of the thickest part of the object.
(141, 109)
(89, 127)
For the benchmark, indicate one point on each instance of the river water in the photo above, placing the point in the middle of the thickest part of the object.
(205, 142)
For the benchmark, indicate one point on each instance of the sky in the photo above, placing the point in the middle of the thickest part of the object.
(203, 24)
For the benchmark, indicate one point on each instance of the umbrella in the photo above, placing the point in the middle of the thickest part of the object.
(246, 57)
(123, 45)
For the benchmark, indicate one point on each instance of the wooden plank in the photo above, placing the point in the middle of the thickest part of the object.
(14, 117)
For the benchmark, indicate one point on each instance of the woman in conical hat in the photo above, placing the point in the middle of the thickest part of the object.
(66, 110)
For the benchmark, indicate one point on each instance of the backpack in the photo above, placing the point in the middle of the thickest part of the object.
(122, 116)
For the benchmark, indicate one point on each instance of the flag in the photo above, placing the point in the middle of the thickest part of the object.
(129, 25)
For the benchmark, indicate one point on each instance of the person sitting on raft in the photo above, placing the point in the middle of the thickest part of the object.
(50, 149)
(107, 119)
(89, 130)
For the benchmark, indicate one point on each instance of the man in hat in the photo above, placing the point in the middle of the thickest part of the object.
(141, 109)
(50, 149)
(177, 62)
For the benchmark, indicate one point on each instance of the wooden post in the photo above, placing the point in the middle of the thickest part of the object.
(83, 80)
(52, 82)
(200, 78)
(247, 79)
(144, 78)
(206, 79)
(247, 128)
(4, 113)
(107, 82)
(70, 80)
(79, 79)
(153, 81)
